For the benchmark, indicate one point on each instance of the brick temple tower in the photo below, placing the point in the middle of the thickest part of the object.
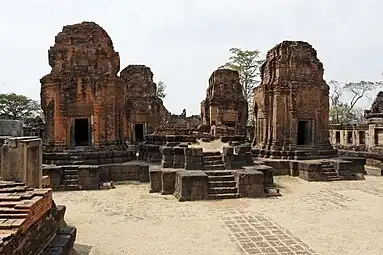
(78, 96)
(291, 105)
(225, 103)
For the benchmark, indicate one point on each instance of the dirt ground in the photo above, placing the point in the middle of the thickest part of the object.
(342, 217)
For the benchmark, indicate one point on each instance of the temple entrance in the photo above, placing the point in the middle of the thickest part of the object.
(303, 136)
(81, 132)
(138, 132)
(230, 124)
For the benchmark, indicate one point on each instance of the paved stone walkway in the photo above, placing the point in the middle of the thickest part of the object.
(310, 218)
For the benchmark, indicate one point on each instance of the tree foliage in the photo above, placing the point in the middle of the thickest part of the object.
(161, 88)
(344, 98)
(247, 63)
(15, 107)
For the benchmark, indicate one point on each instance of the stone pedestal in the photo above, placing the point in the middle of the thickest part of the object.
(168, 179)
(21, 160)
(249, 182)
(191, 185)
(155, 180)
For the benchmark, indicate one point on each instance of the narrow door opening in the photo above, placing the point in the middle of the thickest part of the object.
(303, 133)
(362, 137)
(349, 137)
(230, 124)
(139, 132)
(337, 137)
(81, 132)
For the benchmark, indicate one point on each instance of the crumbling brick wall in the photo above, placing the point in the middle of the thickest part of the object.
(225, 103)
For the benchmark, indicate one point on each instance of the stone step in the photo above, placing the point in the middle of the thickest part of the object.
(219, 172)
(213, 162)
(222, 190)
(217, 178)
(217, 184)
(71, 177)
(69, 182)
(223, 196)
(69, 187)
(218, 157)
(332, 178)
(212, 153)
(214, 167)
(70, 172)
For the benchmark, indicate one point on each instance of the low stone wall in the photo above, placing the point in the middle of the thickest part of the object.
(91, 176)
(373, 158)
(191, 185)
(88, 158)
(311, 171)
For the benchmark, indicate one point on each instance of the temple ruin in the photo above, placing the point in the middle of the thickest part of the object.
(362, 140)
(291, 108)
(291, 105)
(144, 109)
(225, 107)
(85, 102)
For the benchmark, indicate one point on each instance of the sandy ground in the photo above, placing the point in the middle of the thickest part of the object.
(342, 217)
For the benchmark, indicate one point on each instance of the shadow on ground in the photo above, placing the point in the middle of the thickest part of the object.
(82, 249)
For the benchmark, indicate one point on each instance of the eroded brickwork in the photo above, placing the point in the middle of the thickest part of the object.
(225, 103)
(144, 109)
(291, 105)
(85, 102)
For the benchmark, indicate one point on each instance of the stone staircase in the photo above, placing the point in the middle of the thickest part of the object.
(328, 172)
(76, 157)
(70, 179)
(213, 161)
(222, 184)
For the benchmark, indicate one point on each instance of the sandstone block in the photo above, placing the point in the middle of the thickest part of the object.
(155, 180)
(168, 178)
(191, 185)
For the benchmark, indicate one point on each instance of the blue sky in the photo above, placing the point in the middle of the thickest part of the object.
(184, 41)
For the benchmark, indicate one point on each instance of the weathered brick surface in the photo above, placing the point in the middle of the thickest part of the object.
(142, 103)
(225, 106)
(84, 83)
(292, 90)
(25, 215)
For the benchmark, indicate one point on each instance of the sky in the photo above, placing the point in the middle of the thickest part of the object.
(184, 41)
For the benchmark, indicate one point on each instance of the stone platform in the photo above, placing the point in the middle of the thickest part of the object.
(331, 169)
(88, 157)
(77, 177)
(191, 185)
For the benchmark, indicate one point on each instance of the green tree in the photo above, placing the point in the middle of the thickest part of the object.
(247, 63)
(161, 88)
(15, 107)
(345, 96)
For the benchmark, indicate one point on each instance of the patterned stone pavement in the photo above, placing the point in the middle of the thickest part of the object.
(310, 218)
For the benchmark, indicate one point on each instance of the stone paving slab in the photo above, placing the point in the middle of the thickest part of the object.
(310, 218)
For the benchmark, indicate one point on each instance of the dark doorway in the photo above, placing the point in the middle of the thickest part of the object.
(139, 132)
(362, 137)
(303, 133)
(81, 132)
(337, 137)
(230, 124)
